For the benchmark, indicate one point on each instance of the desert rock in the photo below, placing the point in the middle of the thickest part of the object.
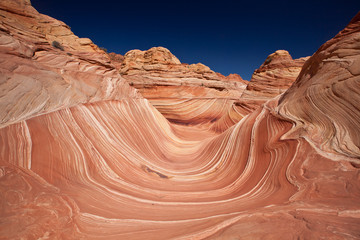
(278, 72)
(84, 156)
(38, 77)
(186, 94)
(273, 78)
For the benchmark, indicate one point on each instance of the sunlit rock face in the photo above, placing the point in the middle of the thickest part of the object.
(273, 77)
(101, 162)
(45, 67)
(324, 101)
(184, 94)
(116, 59)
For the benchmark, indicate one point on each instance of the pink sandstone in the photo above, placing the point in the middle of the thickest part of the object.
(84, 156)
(187, 94)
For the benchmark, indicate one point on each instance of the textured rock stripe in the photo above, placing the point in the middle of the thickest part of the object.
(117, 170)
(324, 101)
(110, 153)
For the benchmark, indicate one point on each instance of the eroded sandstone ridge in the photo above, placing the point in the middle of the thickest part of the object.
(84, 156)
(278, 72)
(194, 94)
(186, 94)
(45, 67)
(275, 75)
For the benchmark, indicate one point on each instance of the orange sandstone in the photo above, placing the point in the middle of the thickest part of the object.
(84, 156)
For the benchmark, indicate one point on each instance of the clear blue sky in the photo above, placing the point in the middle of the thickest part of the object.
(227, 36)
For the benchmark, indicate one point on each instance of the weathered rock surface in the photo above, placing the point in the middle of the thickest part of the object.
(116, 59)
(38, 78)
(108, 165)
(273, 77)
(324, 101)
(187, 94)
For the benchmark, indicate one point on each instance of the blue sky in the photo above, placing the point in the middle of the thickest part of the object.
(227, 36)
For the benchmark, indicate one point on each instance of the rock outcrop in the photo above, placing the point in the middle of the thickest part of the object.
(116, 59)
(45, 67)
(324, 101)
(90, 158)
(272, 78)
(275, 75)
(186, 94)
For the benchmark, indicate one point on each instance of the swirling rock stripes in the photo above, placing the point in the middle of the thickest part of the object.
(326, 94)
(84, 156)
(91, 146)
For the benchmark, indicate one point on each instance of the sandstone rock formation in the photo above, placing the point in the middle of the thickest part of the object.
(275, 75)
(38, 78)
(324, 101)
(272, 78)
(90, 158)
(116, 59)
(187, 94)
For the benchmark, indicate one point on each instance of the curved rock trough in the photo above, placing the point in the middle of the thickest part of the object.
(85, 155)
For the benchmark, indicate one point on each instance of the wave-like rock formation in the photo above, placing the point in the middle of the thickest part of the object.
(92, 159)
(186, 94)
(324, 101)
(196, 95)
